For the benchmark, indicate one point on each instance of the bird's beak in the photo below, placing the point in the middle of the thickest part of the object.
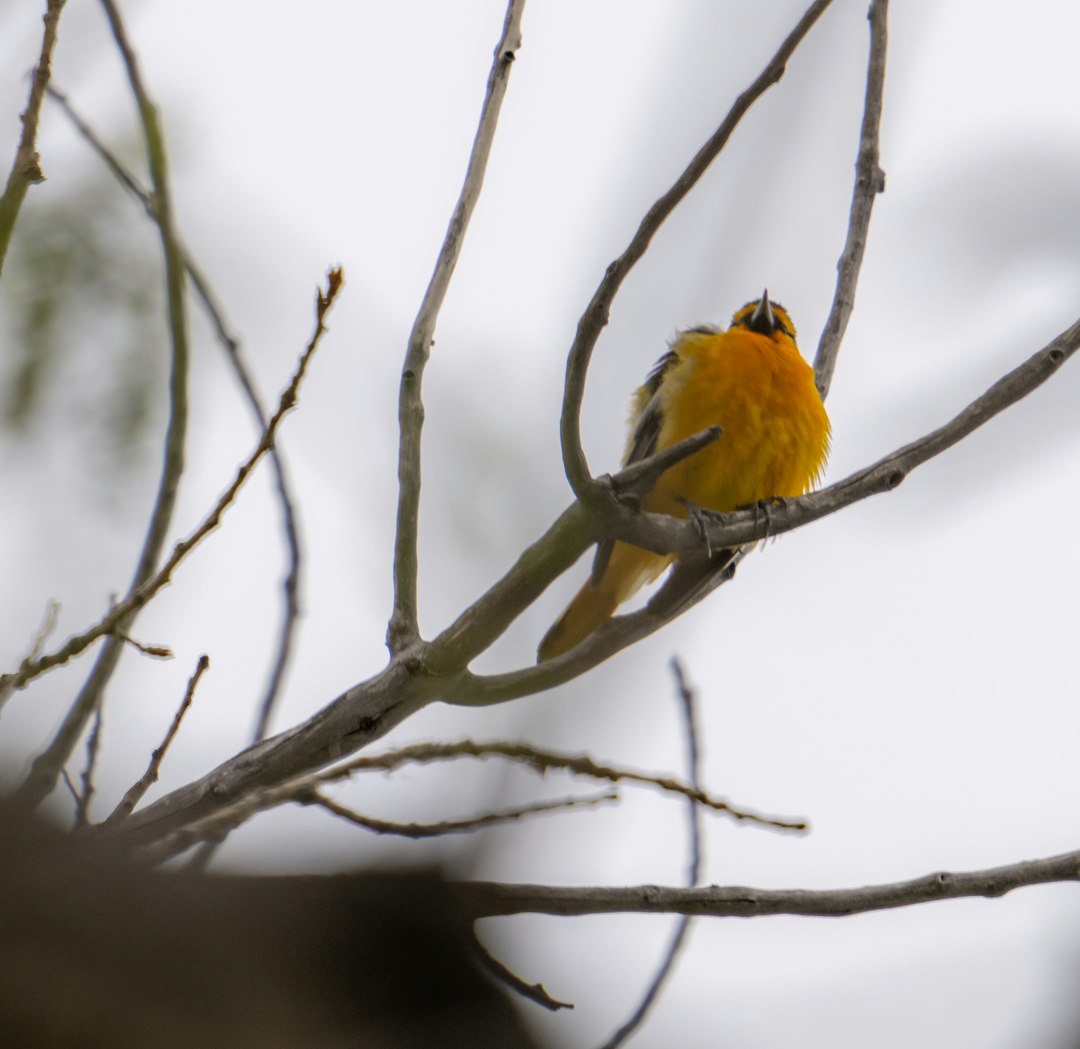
(763, 319)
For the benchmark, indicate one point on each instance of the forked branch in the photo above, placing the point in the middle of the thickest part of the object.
(368, 710)
(595, 317)
(403, 629)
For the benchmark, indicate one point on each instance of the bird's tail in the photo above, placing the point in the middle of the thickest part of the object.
(628, 569)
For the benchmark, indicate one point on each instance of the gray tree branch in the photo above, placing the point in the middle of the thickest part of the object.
(230, 342)
(403, 629)
(26, 168)
(869, 182)
(490, 899)
(370, 709)
(45, 770)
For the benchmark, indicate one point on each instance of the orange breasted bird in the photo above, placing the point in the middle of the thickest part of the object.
(751, 381)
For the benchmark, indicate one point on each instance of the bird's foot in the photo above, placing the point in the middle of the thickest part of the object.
(701, 517)
(765, 507)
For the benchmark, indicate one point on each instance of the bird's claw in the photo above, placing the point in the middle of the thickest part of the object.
(701, 517)
(766, 508)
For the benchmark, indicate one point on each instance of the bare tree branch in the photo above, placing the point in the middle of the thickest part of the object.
(231, 344)
(111, 622)
(48, 625)
(489, 899)
(637, 479)
(869, 182)
(82, 797)
(135, 792)
(403, 630)
(444, 827)
(154, 651)
(595, 317)
(111, 161)
(74, 792)
(487, 618)
(543, 761)
(46, 767)
(368, 710)
(26, 169)
(693, 813)
(534, 992)
(664, 534)
(207, 821)
(564, 542)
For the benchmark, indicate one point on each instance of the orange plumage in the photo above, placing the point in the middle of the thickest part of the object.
(752, 381)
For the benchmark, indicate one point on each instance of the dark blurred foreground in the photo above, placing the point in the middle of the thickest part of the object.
(97, 952)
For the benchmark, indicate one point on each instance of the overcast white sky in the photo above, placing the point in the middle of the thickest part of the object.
(903, 675)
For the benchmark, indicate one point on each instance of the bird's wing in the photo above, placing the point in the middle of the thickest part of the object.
(647, 419)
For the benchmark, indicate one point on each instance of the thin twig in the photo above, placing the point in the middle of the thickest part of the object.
(82, 797)
(154, 651)
(135, 792)
(230, 342)
(443, 827)
(687, 706)
(111, 161)
(869, 182)
(217, 825)
(73, 791)
(111, 621)
(534, 992)
(403, 629)
(637, 479)
(544, 761)
(46, 767)
(93, 749)
(493, 899)
(693, 876)
(48, 625)
(595, 317)
(26, 169)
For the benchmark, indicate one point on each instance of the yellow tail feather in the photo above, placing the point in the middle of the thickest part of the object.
(628, 570)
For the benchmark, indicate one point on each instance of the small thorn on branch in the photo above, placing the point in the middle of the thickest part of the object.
(156, 651)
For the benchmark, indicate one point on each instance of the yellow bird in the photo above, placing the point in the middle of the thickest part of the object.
(750, 380)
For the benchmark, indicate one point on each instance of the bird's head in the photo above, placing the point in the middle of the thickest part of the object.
(764, 317)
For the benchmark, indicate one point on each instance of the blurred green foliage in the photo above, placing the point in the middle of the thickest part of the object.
(81, 307)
